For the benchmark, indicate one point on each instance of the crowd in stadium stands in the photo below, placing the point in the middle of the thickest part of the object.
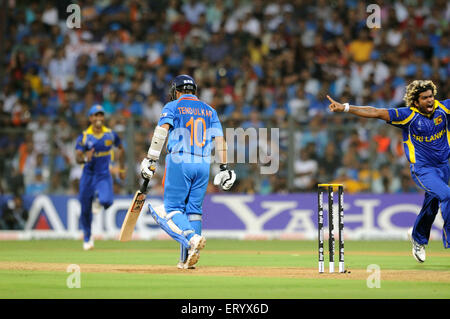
(259, 63)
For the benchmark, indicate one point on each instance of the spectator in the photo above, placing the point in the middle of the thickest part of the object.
(60, 70)
(152, 108)
(361, 48)
(41, 133)
(14, 215)
(305, 170)
(351, 185)
(181, 27)
(386, 182)
(172, 12)
(192, 10)
(217, 49)
(38, 185)
(5, 117)
(50, 15)
(330, 162)
(406, 182)
(194, 49)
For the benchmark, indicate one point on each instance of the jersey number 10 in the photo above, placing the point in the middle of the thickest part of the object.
(194, 130)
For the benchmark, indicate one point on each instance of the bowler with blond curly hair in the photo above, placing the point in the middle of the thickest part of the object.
(426, 140)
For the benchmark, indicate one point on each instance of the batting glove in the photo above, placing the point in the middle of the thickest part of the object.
(225, 178)
(148, 168)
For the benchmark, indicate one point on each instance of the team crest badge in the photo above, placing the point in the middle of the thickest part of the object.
(438, 120)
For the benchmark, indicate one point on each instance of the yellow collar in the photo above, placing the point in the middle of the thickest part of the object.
(90, 130)
(436, 104)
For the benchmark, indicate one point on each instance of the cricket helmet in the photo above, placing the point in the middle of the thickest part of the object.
(182, 83)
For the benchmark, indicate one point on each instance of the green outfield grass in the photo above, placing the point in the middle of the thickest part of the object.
(262, 261)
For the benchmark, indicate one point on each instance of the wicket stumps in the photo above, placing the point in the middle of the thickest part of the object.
(331, 248)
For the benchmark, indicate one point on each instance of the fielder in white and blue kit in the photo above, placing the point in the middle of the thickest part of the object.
(191, 125)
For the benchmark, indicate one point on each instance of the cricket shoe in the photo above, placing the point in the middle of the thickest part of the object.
(97, 208)
(418, 250)
(196, 243)
(88, 245)
(184, 265)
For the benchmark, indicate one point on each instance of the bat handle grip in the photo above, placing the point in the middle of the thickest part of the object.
(144, 186)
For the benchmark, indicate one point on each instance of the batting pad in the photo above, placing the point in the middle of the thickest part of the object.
(196, 222)
(165, 221)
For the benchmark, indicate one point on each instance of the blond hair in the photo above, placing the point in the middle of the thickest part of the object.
(416, 87)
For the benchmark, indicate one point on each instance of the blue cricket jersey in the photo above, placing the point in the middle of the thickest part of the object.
(426, 138)
(193, 125)
(103, 144)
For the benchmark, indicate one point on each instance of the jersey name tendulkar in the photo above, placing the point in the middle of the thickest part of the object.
(194, 111)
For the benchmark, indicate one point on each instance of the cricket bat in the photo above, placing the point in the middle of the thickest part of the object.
(133, 212)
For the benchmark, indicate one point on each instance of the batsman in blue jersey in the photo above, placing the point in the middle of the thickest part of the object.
(190, 125)
(94, 149)
(426, 139)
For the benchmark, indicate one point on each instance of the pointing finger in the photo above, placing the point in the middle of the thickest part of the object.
(331, 100)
